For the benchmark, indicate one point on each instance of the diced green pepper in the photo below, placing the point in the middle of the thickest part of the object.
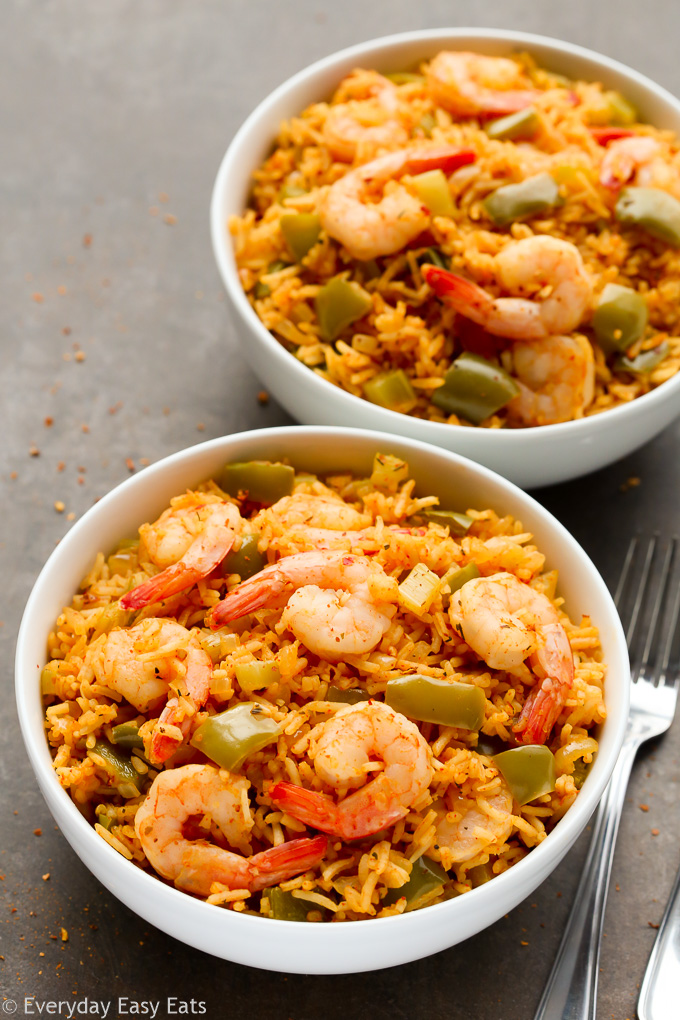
(458, 524)
(352, 696)
(126, 735)
(122, 561)
(260, 480)
(338, 305)
(405, 77)
(529, 771)
(48, 679)
(429, 699)
(246, 560)
(255, 676)
(418, 590)
(290, 191)
(120, 766)
(388, 471)
(474, 388)
(490, 745)
(455, 578)
(112, 617)
(515, 127)
(425, 876)
(392, 390)
(286, 907)
(480, 875)
(433, 257)
(519, 201)
(621, 111)
(580, 772)
(301, 231)
(427, 124)
(228, 738)
(262, 289)
(432, 188)
(644, 362)
(620, 318)
(654, 210)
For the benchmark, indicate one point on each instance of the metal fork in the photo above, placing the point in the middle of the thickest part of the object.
(648, 600)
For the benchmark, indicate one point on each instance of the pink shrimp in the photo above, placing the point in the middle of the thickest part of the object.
(194, 865)
(174, 724)
(469, 84)
(506, 622)
(350, 619)
(189, 540)
(532, 264)
(637, 157)
(367, 228)
(342, 755)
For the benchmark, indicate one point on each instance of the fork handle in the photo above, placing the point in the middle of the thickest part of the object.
(571, 991)
(662, 977)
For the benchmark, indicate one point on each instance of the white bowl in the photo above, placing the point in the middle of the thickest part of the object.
(284, 945)
(529, 457)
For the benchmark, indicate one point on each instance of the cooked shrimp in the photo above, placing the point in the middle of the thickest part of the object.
(315, 521)
(640, 159)
(368, 228)
(189, 540)
(339, 603)
(468, 84)
(142, 662)
(547, 266)
(468, 827)
(177, 795)
(506, 622)
(366, 124)
(556, 377)
(343, 757)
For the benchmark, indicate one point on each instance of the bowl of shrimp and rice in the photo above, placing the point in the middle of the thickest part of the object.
(266, 941)
(588, 415)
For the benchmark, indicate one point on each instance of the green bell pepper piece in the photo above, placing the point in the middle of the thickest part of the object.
(392, 390)
(519, 201)
(425, 876)
(529, 771)
(432, 188)
(286, 907)
(654, 210)
(621, 111)
(458, 524)
(338, 305)
(246, 560)
(645, 361)
(259, 480)
(455, 578)
(515, 127)
(126, 735)
(122, 768)
(301, 231)
(474, 388)
(290, 191)
(429, 699)
(228, 738)
(352, 696)
(254, 676)
(433, 257)
(620, 318)
(405, 77)
(480, 875)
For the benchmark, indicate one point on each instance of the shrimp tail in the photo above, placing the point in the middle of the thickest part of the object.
(441, 158)
(463, 295)
(199, 561)
(604, 135)
(260, 590)
(540, 712)
(307, 806)
(169, 732)
(281, 862)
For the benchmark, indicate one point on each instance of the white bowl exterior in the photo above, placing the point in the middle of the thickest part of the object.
(281, 945)
(529, 457)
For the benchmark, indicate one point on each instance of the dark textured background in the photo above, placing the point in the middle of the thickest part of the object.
(113, 119)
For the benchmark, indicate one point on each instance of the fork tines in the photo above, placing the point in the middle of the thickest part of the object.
(648, 600)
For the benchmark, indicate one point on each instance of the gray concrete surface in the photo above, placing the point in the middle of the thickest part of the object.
(116, 349)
